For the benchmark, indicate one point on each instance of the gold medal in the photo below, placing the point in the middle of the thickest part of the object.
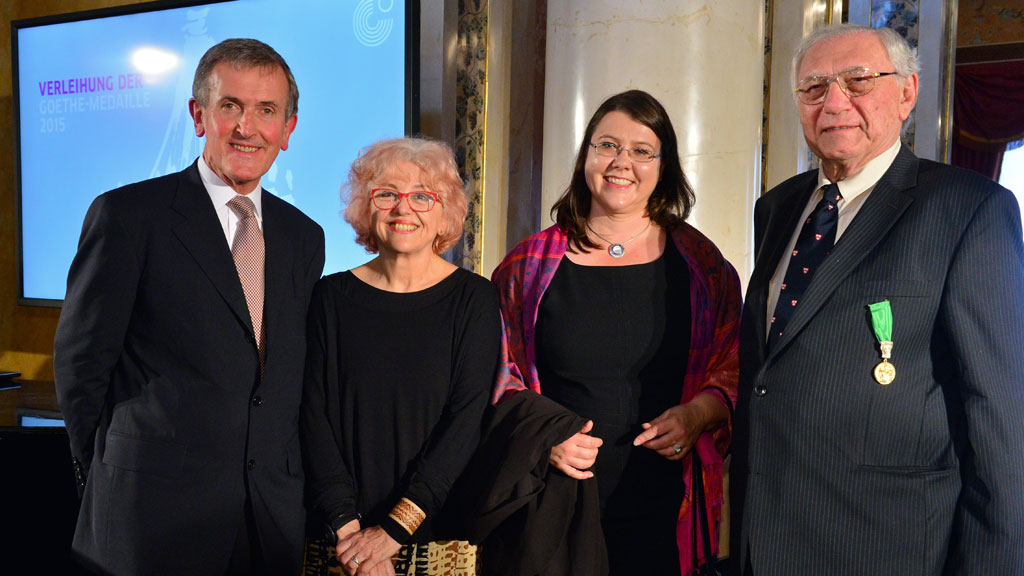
(881, 323)
(885, 373)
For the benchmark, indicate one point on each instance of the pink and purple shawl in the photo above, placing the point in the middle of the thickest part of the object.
(712, 366)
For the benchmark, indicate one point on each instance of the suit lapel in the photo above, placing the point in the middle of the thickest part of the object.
(887, 202)
(202, 235)
(276, 273)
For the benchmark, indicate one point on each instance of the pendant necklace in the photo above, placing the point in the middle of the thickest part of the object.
(616, 250)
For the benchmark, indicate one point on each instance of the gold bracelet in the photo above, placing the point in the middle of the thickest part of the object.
(408, 515)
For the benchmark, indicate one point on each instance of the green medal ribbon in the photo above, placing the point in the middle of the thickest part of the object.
(881, 320)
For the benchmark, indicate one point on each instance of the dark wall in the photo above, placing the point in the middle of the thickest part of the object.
(38, 500)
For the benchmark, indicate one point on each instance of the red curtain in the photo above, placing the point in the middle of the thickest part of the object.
(988, 112)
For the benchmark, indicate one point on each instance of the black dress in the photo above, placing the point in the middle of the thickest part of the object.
(395, 388)
(612, 344)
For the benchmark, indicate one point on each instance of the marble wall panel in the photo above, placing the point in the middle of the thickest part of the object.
(703, 60)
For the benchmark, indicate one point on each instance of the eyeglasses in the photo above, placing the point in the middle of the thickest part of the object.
(853, 82)
(419, 200)
(611, 150)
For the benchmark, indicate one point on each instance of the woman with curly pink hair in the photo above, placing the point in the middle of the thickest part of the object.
(402, 353)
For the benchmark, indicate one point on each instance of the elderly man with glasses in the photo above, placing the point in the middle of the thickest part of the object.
(880, 419)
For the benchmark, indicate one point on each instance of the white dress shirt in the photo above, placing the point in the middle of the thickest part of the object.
(221, 194)
(855, 191)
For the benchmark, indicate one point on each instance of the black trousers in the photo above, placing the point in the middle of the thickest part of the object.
(247, 554)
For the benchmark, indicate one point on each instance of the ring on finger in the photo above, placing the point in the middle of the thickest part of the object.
(356, 560)
(677, 449)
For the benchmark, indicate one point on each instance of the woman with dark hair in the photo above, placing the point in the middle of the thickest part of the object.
(628, 317)
(402, 353)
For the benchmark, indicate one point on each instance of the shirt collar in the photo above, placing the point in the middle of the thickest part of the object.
(221, 193)
(865, 179)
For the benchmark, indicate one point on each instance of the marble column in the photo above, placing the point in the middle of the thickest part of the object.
(703, 60)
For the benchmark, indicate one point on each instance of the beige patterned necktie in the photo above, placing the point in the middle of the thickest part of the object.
(248, 251)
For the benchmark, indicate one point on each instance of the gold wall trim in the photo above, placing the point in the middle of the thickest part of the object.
(948, 62)
(470, 123)
(769, 6)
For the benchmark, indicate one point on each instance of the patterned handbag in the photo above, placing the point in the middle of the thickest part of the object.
(440, 558)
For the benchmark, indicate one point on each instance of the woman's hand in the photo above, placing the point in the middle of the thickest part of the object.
(351, 528)
(674, 433)
(576, 454)
(342, 533)
(382, 569)
(367, 552)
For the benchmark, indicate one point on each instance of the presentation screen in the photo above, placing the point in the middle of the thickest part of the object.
(101, 101)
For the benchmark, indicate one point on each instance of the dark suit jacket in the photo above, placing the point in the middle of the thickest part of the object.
(157, 375)
(836, 474)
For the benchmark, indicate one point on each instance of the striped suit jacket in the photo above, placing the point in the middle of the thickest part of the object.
(836, 474)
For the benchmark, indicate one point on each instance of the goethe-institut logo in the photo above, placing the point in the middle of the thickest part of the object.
(370, 22)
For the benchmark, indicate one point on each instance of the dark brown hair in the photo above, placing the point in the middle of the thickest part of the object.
(672, 199)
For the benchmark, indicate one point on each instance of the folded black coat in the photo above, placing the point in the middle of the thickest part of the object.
(531, 519)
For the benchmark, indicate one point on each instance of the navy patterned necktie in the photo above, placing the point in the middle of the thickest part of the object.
(816, 239)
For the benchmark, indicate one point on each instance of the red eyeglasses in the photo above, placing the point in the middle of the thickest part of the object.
(419, 200)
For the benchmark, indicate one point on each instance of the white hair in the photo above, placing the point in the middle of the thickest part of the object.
(903, 57)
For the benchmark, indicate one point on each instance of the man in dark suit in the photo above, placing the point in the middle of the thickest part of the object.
(180, 349)
(880, 421)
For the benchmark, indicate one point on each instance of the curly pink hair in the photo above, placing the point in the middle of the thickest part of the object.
(436, 161)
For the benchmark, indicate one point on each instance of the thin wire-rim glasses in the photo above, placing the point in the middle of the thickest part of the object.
(611, 150)
(853, 82)
(419, 200)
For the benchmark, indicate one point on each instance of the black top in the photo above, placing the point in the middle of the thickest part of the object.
(612, 344)
(395, 388)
